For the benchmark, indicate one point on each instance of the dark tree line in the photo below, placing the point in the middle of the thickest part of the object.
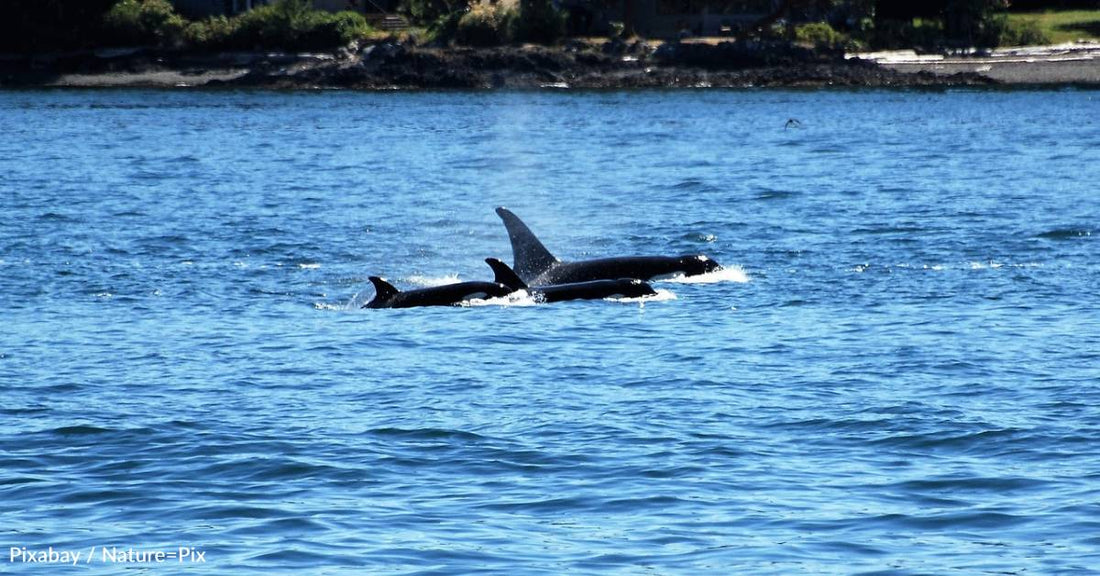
(49, 25)
(41, 25)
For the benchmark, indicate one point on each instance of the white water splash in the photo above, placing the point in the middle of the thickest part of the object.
(518, 298)
(356, 302)
(983, 265)
(430, 281)
(728, 274)
(662, 295)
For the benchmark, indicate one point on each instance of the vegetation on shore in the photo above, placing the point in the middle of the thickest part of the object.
(495, 23)
(1062, 26)
(33, 26)
(962, 23)
(282, 25)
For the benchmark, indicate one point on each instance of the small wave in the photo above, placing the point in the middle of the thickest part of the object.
(776, 195)
(693, 184)
(309, 265)
(56, 217)
(983, 265)
(426, 433)
(79, 430)
(725, 274)
(1065, 234)
(873, 231)
(700, 237)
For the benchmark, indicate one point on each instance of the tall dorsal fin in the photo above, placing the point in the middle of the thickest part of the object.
(529, 257)
(383, 290)
(505, 275)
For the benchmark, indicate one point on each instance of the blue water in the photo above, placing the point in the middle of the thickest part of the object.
(898, 372)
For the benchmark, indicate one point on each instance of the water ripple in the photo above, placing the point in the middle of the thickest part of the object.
(894, 372)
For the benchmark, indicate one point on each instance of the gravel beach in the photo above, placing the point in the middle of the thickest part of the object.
(1077, 63)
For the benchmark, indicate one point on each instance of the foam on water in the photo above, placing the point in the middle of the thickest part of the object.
(724, 274)
(517, 298)
(662, 295)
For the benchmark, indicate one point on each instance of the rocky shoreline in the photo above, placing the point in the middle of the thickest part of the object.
(390, 65)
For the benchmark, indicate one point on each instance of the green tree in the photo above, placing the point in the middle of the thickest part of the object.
(428, 12)
(143, 22)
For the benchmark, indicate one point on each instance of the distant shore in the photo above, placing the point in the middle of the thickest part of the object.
(582, 65)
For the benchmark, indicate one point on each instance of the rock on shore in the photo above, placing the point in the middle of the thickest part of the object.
(389, 65)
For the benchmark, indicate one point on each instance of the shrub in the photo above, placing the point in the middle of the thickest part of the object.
(431, 12)
(819, 34)
(539, 21)
(143, 22)
(486, 24)
(1024, 33)
(286, 24)
(216, 32)
(445, 28)
(328, 30)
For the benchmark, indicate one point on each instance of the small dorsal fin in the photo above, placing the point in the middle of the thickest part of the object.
(529, 257)
(503, 274)
(383, 290)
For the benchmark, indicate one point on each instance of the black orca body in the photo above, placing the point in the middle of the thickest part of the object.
(591, 290)
(538, 267)
(386, 296)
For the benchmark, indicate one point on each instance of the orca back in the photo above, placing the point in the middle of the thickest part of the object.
(594, 290)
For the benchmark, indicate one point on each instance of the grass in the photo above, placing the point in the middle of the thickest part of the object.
(1062, 26)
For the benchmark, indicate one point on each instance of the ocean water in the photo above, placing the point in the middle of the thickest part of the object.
(898, 371)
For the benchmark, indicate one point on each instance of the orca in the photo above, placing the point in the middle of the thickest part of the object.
(590, 290)
(536, 266)
(386, 296)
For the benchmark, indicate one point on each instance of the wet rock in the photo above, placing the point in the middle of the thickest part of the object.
(739, 54)
(614, 47)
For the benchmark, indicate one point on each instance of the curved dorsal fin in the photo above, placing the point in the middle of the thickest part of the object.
(529, 257)
(502, 274)
(383, 290)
